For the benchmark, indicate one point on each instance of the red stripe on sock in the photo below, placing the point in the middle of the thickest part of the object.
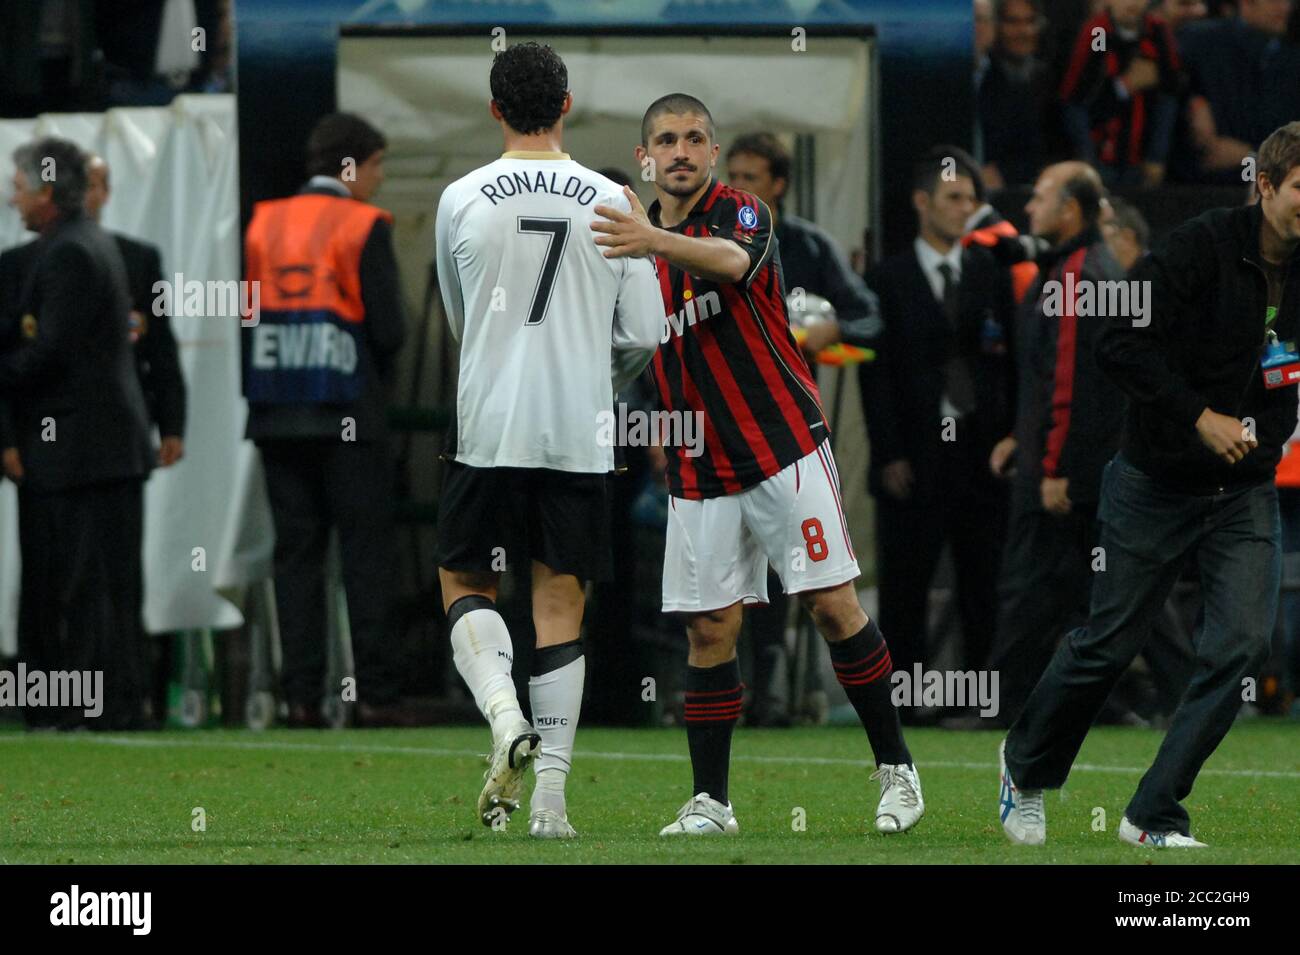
(870, 676)
(865, 661)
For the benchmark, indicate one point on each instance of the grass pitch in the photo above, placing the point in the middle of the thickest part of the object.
(408, 796)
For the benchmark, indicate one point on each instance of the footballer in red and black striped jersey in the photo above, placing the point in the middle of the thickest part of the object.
(762, 487)
(727, 351)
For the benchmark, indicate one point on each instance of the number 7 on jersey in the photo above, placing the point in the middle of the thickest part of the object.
(558, 230)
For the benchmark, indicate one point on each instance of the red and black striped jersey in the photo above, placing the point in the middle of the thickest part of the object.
(727, 354)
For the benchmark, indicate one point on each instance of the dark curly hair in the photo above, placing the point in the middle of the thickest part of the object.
(529, 83)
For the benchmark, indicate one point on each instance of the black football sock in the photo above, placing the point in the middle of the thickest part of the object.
(862, 666)
(712, 706)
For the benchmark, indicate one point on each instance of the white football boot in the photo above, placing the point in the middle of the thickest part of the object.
(901, 804)
(703, 816)
(1021, 810)
(512, 752)
(549, 824)
(1156, 840)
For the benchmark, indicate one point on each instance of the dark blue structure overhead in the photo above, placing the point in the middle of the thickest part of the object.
(287, 55)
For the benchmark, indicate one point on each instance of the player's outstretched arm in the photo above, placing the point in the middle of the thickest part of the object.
(632, 234)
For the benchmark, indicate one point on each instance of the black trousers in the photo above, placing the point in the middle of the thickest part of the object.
(1044, 591)
(315, 485)
(81, 597)
(967, 510)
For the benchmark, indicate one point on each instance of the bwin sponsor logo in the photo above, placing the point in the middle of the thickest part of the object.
(696, 310)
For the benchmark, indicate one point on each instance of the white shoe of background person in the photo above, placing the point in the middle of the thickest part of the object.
(1021, 810)
(1156, 840)
(703, 816)
(901, 803)
(512, 751)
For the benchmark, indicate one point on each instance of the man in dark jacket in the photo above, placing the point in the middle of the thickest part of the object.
(1212, 401)
(1066, 429)
(81, 430)
(935, 401)
(156, 359)
(317, 368)
(156, 355)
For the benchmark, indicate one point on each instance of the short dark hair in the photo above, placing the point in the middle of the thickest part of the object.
(935, 161)
(1279, 154)
(67, 163)
(679, 104)
(1085, 188)
(338, 137)
(529, 82)
(1128, 216)
(764, 146)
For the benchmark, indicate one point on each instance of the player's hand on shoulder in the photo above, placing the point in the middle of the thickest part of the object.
(626, 234)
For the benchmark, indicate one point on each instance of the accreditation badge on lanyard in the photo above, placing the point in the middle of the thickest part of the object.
(1281, 362)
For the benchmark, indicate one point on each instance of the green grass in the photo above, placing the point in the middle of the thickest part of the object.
(400, 796)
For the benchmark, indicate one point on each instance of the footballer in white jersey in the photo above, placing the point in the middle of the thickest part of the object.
(537, 309)
(548, 329)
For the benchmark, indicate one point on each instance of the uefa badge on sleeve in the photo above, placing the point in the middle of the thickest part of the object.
(747, 217)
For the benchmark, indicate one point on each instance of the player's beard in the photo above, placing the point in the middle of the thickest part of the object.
(674, 188)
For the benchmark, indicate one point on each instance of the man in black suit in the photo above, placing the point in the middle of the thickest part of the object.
(81, 430)
(156, 356)
(935, 401)
(156, 359)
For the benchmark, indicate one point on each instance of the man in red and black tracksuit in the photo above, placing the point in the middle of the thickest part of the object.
(1067, 427)
(1120, 93)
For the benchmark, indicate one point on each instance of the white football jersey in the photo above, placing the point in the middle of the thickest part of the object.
(544, 320)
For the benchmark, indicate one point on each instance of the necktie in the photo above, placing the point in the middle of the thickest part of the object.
(958, 380)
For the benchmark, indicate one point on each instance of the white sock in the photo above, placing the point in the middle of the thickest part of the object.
(483, 654)
(556, 698)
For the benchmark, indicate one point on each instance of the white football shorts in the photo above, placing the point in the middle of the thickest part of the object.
(718, 549)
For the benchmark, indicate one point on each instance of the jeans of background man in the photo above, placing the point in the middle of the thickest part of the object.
(1146, 531)
(1044, 593)
(1289, 505)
